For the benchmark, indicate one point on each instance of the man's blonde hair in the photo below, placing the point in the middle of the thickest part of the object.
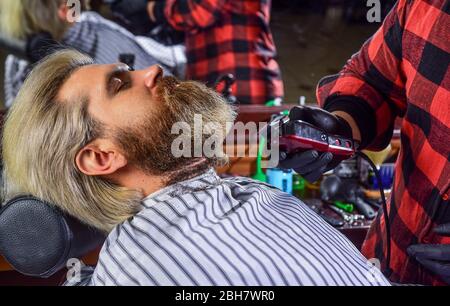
(21, 18)
(41, 139)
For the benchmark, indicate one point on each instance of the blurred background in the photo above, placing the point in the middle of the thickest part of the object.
(314, 38)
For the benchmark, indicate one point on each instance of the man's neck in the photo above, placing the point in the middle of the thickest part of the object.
(135, 179)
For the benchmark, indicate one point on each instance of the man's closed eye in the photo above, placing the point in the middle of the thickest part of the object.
(118, 85)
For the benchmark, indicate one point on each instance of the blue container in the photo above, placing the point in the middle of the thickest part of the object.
(282, 179)
(387, 176)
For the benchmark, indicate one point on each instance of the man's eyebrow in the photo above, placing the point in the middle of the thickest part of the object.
(117, 71)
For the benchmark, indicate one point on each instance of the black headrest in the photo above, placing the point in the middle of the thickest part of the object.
(37, 239)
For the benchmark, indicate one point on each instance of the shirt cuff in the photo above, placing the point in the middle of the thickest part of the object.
(360, 111)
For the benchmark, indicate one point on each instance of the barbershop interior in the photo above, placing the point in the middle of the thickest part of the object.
(225, 143)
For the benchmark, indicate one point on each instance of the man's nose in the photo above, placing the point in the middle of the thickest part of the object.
(151, 76)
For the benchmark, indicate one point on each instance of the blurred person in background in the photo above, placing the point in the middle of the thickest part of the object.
(223, 37)
(44, 25)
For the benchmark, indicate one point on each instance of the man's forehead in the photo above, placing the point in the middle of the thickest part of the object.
(84, 81)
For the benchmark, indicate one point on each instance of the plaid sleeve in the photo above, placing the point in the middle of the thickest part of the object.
(371, 85)
(189, 15)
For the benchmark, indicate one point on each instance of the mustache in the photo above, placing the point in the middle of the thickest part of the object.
(167, 85)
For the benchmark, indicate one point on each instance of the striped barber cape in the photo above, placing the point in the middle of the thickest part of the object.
(209, 231)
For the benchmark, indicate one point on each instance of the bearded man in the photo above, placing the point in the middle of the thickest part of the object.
(96, 140)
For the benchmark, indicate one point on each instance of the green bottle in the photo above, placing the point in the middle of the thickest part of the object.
(260, 175)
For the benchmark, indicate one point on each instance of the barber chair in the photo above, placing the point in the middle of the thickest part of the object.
(37, 239)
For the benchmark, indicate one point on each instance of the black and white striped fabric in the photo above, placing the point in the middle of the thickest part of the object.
(104, 41)
(213, 231)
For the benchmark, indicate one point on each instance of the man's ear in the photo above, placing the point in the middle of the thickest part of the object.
(99, 158)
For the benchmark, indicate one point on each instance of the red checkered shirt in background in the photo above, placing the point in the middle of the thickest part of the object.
(228, 36)
(403, 71)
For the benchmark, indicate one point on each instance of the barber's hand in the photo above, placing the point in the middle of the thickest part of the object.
(434, 257)
(40, 45)
(312, 164)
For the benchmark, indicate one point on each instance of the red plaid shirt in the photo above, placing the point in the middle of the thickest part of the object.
(403, 71)
(228, 36)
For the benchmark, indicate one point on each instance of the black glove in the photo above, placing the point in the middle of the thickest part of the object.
(312, 164)
(40, 45)
(434, 257)
(133, 15)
